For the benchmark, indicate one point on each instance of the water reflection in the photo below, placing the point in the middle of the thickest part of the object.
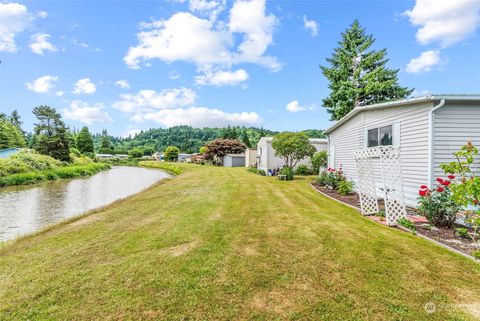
(29, 208)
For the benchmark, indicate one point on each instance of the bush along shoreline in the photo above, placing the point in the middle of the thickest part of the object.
(34, 177)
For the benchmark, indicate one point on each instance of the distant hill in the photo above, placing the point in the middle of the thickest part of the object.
(189, 139)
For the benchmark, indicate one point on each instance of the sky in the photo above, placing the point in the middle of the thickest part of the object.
(128, 66)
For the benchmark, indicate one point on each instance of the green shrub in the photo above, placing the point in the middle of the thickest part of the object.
(302, 170)
(406, 223)
(53, 174)
(319, 159)
(476, 254)
(462, 232)
(169, 167)
(345, 187)
(27, 161)
(261, 172)
(331, 178)
(252, 170)
(288, 172)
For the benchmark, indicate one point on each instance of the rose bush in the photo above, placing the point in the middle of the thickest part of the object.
(437, 204)
(466, 187)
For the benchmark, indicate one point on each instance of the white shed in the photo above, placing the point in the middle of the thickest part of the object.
(428, 130)
(234, 160)
(266, 154)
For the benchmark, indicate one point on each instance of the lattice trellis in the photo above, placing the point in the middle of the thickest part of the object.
(392, 188)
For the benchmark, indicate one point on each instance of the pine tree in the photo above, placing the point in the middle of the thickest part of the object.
(85, 141)
(51, 133)
(358, 75)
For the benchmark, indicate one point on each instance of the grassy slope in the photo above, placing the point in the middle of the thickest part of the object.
(221, 243)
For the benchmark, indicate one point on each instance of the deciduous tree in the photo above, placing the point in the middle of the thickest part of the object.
(292, 147)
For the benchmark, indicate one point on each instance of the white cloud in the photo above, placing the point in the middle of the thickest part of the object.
(425, 62)
(14, 18)
(122, 84)
(444, 21)
(295, 107)
(183, 37)
(40, 43)
(199, 117)
(148, 100)
(43, 84)
(310, 25)
(42, 14)
(84, 86)
(222, 78)
(87, 113)
(208, 8)
(208, 42)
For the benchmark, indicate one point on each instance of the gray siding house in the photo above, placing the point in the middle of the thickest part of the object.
(428, 130)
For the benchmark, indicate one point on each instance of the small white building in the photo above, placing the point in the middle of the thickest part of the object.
(266, 158)
(428, 130)
(234, 160)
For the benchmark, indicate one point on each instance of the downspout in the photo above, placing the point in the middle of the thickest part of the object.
(431, 137)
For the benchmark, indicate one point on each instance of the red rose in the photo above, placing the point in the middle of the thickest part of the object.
(422, 192)
(475, 202)
(446, 183)
(424, 187)
(440, 180)
(440, 189)
(451, 176)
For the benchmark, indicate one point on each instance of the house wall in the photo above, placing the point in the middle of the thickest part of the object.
(251, 157)
(410, 131)
(268, 160)
(454, 125)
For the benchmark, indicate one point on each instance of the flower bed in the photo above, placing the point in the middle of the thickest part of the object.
(442, 235)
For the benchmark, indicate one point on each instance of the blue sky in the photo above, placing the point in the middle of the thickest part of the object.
(126, 66)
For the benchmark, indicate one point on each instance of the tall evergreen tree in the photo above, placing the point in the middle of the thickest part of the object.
(51, 133)
(85, 141)
(358, 75)
(106, 146)
(10, 135)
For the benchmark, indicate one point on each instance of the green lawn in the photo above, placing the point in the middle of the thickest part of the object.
(222, 244)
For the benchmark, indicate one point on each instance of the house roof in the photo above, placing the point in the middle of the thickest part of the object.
(402, 102)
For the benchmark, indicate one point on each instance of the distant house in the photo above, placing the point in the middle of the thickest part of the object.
(4, 153)
(158, 156)
(234, 160)
(427, 129)
(266, 154)
(104, 156)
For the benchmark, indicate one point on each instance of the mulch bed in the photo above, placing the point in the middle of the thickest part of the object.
(443, 235)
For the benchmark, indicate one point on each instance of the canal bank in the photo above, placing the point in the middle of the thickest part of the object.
(27, 209)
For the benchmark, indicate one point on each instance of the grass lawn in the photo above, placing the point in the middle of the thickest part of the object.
(222, 244)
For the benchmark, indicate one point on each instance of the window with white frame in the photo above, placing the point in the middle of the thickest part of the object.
(380, 136)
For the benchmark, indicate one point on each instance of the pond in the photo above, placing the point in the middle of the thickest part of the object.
(27, 209)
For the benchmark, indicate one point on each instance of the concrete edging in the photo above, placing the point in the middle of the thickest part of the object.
(401, 228)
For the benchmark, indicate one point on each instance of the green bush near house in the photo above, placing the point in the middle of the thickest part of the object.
(252, 170)
(288, 172)
(302, 170)
(345, 187)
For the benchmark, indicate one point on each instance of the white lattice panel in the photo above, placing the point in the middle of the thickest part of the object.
(366, 182)
(392, 184)
(391, 180)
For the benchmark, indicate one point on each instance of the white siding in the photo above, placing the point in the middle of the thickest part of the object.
(410, 122)
(454, 125)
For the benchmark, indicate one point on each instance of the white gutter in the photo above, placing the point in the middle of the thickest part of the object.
(431, 137)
